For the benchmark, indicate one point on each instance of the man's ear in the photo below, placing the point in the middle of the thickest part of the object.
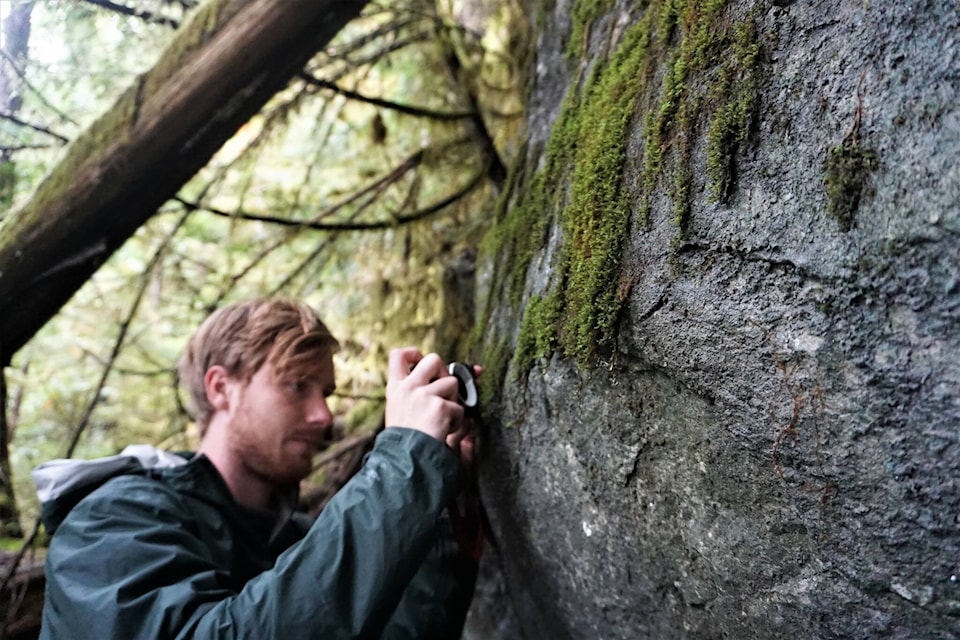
(217, 382)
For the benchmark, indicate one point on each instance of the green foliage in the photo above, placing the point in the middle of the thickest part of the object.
(307, 158)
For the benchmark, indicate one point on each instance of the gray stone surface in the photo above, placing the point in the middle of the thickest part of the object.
(773, 450)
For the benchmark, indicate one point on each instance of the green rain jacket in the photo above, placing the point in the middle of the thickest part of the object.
(165, 552)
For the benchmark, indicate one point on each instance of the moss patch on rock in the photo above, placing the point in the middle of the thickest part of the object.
(845, 172)
(682, 65)
(695, 88)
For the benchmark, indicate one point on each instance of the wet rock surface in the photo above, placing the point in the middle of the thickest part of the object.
(772, 447)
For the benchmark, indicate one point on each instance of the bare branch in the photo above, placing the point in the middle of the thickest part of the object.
(124, 10)
(348, 226)
(26, 83)
(386, 104)
(371, 36)
(121, 336)
(15, 120)
(23, 147)
(410, 163)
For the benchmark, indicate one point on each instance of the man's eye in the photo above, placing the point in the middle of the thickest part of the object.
(298, 386)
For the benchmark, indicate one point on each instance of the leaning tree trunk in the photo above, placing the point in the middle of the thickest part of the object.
(223, 66)
(218, 72)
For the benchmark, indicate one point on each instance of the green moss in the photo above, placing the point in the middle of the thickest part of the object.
(10, 544)
(364, 417)
(583, 13)
(537, 338)
(846, 169)
(580, 180)
(690, 87)
(496, 361)
(736, 92)
(8, 183)
(207, 20)
(518, 231)
(596, 219)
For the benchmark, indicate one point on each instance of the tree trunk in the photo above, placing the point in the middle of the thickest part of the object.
(16, 36)
(223, 66)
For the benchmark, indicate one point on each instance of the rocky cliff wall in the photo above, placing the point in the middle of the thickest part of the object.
(721, 320)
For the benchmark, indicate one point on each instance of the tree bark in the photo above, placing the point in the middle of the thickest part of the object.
(222, 67)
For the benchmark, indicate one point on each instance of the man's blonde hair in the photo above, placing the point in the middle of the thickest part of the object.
(241, 337)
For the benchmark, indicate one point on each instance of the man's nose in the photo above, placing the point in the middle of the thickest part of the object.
(318, 411)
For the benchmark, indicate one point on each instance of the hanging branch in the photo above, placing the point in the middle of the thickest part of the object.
(398, 172)
(348, 226)
(410, 110)
(376, 56)
(371, 36)
(17, 121)
(124, 10)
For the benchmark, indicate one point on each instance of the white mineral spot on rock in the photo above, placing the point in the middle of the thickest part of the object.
(807, 343)
(901, 590)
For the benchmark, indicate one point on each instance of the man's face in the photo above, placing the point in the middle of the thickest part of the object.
(278, 423)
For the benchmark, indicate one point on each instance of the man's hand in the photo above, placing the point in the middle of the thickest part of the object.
(421, 394)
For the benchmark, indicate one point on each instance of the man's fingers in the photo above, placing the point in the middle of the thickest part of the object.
(401, 361)
(454, 439)
(428, 369)
(456, 430)
(445, 387)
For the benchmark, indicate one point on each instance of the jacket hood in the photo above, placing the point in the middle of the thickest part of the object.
(61, 484)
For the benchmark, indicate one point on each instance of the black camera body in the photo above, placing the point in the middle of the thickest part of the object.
(466, 384)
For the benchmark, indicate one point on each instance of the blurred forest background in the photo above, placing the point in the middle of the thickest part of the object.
(364, 188)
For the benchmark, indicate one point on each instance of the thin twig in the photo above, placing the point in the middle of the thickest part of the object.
(121, 336)
(410, 110)
(124, 10)
(29, 125)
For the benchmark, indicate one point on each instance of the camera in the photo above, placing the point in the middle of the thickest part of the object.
(466, 383)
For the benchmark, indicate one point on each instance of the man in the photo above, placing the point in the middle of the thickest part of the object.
(150, 545)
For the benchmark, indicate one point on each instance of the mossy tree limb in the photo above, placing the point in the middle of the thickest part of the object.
(218, 72)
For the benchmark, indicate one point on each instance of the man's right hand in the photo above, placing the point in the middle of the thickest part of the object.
(421, 394)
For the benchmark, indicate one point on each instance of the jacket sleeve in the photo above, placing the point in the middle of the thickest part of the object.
(435, 603)
(131, 567)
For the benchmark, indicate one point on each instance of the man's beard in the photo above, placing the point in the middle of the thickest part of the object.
(267, 459)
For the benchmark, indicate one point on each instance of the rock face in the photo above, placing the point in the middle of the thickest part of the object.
(766, 443)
